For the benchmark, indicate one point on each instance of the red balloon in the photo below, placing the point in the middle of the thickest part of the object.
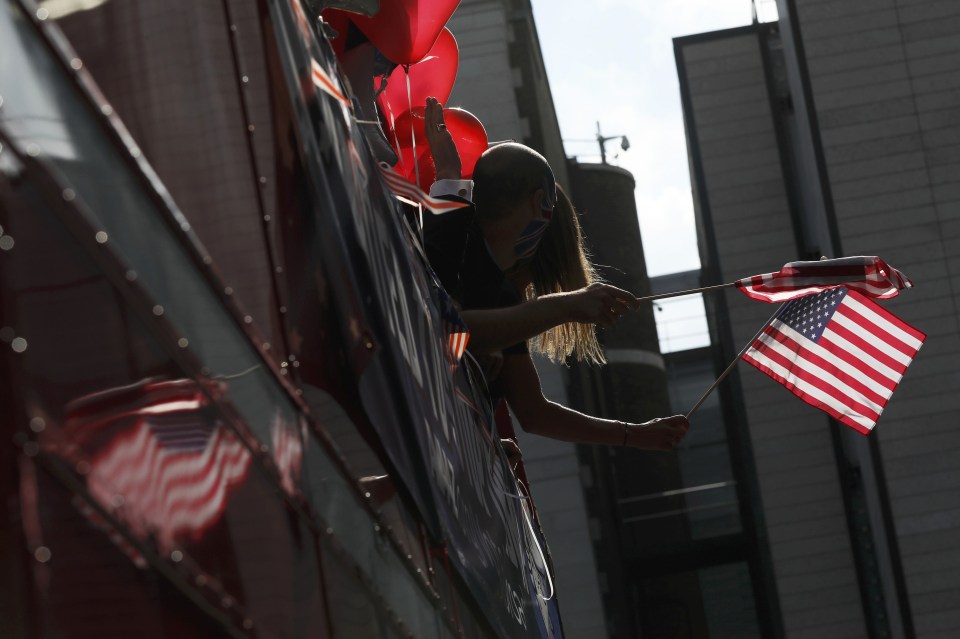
(409, 126)
(469, 136)
(404, 30)
(404, 165)
(408, 168)
(433, 76)
(427, 171)
(467, 131)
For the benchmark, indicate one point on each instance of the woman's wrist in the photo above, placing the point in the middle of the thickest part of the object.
(562, 305)
(554, 308)
(635, 435)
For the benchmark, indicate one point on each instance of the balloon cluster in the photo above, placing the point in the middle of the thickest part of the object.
(411, 33)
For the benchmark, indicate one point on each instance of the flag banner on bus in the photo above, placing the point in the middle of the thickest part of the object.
(867, 274)
(837, 351)
(165, 465)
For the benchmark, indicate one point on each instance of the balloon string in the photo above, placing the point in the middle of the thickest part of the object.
(413, 137)
(383, 85)
(392, 119)
(524, 500)
(543, 556)
(393, 130)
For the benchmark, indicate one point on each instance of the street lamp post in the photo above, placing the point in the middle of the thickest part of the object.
(601, 140)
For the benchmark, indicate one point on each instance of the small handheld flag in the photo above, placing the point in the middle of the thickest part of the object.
(868, 274)
(458, 335)
(837, 351)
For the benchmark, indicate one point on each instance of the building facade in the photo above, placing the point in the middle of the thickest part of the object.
(835, 131)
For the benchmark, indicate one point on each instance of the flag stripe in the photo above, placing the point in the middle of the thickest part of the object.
(400, 187)
(868, 274)
(876, 348)
(196, 477)
(837, 351)
(873, 397)
(323, 81)
(872, 389)
(872, 344)
(206, 500)
(804, 369)
(821, 387)
(169, 488)
(816, 399)
(851, 365)
(885, 342)
(907, 334)
(858, 357)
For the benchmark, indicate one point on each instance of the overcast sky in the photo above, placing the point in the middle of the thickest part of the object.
(612, 61)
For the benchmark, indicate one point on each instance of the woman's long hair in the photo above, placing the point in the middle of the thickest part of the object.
(562, 264)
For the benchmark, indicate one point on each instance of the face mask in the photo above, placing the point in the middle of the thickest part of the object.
(526, 245)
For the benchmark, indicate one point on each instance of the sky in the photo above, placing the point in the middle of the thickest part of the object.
(612, 61)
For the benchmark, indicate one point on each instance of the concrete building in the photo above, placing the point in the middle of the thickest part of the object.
(836, 131)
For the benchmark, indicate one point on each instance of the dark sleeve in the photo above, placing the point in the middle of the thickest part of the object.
(516, 349)
(445, 239)
(511, 297)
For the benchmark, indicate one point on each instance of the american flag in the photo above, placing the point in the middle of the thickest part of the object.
(458, 335)
(839, 352)
(868, 274)
(287, 443)
(170, 472)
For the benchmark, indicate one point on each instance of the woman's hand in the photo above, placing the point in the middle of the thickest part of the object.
(599, 304)
(662, 433)
(445, 155)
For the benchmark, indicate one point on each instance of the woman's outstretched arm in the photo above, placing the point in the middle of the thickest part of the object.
(539, 416)
(495, 329)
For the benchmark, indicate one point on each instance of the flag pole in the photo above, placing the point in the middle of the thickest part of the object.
(691, 291)
(730, 368)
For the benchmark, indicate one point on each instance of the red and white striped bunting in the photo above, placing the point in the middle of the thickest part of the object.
(301, 19)
(867, 274)
(325, 82)
(413, 194)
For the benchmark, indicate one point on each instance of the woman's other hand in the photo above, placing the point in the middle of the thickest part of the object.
(662, 433)
(445, 155)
